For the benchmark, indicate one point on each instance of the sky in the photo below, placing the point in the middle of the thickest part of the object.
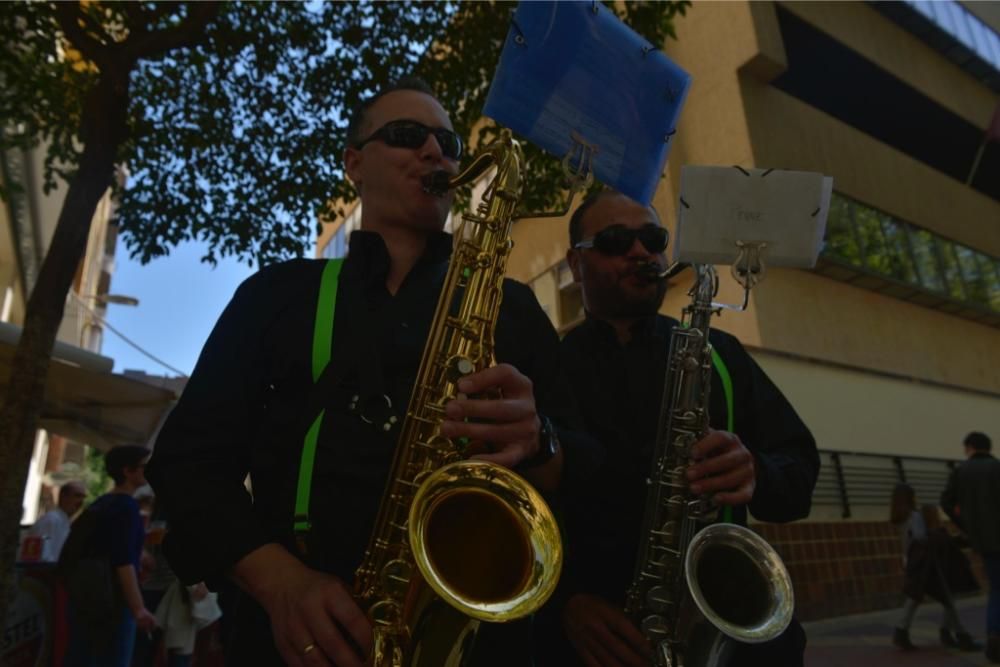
(180, 298)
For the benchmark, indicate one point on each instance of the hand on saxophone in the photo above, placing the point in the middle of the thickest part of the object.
(724, 469)
(603, 635)
(314, 619)
(508, 425)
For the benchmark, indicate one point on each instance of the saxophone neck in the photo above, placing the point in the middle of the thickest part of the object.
(698, 313)
(504, 154)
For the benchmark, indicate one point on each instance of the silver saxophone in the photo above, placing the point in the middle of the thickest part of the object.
(698, 585)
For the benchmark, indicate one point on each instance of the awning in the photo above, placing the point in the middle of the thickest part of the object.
(88, 404)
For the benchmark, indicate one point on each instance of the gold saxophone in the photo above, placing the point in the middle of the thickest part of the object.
(698, 584)
(456, 541)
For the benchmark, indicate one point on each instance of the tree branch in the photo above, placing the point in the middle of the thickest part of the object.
(188, 33)
(135, 17)
(152, 16)
(68, 14)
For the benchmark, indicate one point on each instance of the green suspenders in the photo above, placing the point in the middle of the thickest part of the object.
(326, 306)
(727, 389)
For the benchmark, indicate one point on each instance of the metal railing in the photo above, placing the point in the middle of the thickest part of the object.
(849, 479)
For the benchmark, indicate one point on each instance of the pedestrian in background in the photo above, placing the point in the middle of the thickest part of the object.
(100, 563)
(923, 550)
(53, 527)
(155, 578)
(972, 500)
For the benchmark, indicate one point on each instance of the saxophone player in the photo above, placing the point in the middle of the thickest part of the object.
(617, 355)
(251, 400)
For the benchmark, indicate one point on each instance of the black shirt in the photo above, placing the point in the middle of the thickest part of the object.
(621, 407)
(972, 499)
(242, 409)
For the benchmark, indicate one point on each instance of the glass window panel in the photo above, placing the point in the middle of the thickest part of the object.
(952, 274)
(976, 289)
(990, 270)
(868, 223)
(841, 242)
(924, 246)
(898, 250)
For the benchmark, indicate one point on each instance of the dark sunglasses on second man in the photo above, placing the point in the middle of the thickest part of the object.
(618, 239)
(411, 134)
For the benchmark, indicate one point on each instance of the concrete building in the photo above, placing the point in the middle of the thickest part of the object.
(889, 348)
(85, 403)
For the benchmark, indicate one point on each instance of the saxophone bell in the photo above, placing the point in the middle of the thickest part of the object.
(457, 542)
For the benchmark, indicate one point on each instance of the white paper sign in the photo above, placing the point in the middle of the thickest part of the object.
(720, 206)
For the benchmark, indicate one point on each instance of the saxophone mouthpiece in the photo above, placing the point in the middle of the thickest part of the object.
(437, 183)
(652, 272)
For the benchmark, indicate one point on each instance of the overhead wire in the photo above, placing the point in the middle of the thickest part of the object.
(125, 338)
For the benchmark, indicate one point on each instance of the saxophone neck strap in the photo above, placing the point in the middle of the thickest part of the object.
(323, 376)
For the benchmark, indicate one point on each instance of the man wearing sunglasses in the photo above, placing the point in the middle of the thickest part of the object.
(250, 402)
(618, 357)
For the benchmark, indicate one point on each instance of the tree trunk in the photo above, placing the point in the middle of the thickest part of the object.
(104, 128)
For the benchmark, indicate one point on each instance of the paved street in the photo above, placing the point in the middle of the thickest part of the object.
(866, 639)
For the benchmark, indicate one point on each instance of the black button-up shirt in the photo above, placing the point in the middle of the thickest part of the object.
(242, 411)
(620, 394)
(621, 408)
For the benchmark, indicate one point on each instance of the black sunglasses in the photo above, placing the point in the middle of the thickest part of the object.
(411, 134)
(617, 239)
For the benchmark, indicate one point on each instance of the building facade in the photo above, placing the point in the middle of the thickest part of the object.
(27, 222)
(889, 348)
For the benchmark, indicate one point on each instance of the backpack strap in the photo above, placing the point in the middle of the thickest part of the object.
(326, 308)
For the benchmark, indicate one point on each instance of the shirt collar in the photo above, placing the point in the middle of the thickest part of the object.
(642, 329)
(370, 256)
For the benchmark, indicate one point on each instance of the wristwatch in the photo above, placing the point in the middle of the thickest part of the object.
(548, 445)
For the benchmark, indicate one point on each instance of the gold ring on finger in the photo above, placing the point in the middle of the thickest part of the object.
(308, 648)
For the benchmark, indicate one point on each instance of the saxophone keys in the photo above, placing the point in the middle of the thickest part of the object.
(669, 533)
(396, 577)
(384, 613)
(458, 367)
(658, 599)
(655, 627)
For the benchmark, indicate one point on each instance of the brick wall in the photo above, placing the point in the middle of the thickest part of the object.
(842, 567)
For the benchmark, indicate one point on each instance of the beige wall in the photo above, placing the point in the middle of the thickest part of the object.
(851, 410)
(733, 118)
(813, 316)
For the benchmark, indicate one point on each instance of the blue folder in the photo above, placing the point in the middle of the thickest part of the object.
(574, 69)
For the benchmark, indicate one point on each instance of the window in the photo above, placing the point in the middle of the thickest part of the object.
(876, 244)
(925, 255)
(899, 258)
(973, 278)
(840, 239)
(952, 276)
